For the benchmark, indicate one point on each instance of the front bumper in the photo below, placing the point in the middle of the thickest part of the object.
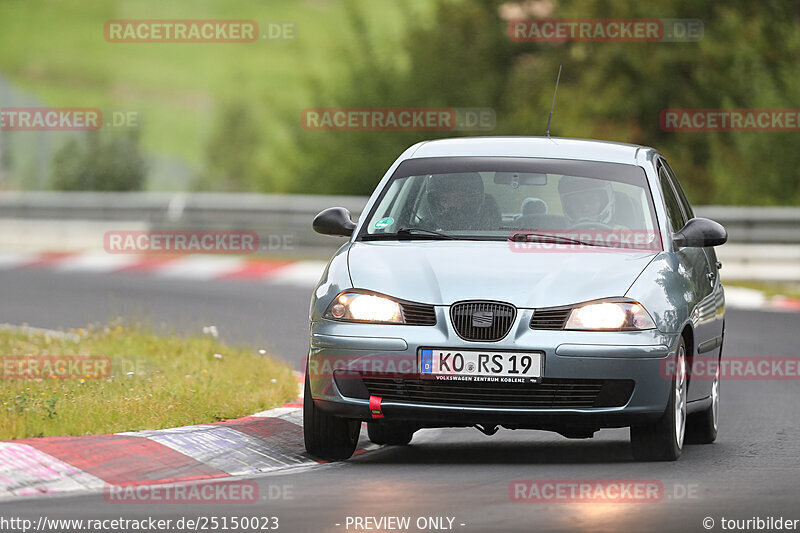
(341, 355)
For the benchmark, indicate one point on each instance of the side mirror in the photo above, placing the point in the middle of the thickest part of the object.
(699, 233)
(334, 221)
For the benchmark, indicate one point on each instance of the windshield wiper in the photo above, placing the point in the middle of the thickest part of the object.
(407, 232)
(551, 239)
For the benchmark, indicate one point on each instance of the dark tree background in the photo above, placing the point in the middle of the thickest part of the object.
(749, 57)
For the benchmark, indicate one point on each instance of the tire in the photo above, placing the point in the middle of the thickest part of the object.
(393, 434)
(663, 440)
(701, 428)
(326, 436)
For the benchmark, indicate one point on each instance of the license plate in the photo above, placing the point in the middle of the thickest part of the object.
(480, 365)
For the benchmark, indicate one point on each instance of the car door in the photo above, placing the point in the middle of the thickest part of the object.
(711, 348)
(696, 276)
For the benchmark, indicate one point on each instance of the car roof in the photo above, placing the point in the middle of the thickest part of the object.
(544, 147)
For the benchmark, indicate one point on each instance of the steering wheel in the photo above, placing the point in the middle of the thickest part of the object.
(590, 224)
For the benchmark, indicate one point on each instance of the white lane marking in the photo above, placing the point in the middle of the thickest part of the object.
(95, 262)
(9, 260)
(304, 274)
(277, 412)
(768, 271)
(299, 274)
(227, 449)
(289, 414)
(743, 298)
(24, 470)
(200, 267)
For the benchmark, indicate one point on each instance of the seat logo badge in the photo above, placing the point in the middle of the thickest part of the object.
(482, 319)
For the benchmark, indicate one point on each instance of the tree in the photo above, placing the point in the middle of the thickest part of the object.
(749, 57)
(99, 162)
(232, 162)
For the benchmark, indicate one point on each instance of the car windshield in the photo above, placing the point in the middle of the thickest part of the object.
(479, 198)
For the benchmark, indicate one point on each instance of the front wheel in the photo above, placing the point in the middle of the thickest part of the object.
(663, 439)
(326, 436)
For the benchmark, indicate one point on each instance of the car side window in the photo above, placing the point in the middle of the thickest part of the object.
(687, 208)
(674, 213)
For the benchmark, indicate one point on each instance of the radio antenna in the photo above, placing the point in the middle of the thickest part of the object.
(547, 133)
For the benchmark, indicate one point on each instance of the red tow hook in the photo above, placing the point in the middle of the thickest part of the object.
(375, 406)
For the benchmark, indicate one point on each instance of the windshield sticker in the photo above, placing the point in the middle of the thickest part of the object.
(384, 223)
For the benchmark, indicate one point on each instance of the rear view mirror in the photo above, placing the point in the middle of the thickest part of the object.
(699, 233)
(334, 221)
(515, 179)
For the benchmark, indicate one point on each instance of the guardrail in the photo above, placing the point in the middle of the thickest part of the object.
(763, 225)
(82, 217)
(764, 240)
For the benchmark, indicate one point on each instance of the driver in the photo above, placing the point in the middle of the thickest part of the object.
(586, 200)
(455, 201)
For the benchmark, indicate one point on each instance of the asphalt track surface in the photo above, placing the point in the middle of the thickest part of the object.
(753, 470)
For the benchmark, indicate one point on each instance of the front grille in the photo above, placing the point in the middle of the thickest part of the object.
(551, 393)
(419, 314)
(482, 321)
(550, 318)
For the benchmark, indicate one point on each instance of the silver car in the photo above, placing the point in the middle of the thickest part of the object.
(518, 282)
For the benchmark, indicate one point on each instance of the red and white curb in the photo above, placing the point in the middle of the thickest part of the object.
(282, 272)
(270, 441)
(198, 267)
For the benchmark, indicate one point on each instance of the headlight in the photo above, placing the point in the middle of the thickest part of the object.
(360, 307)
(610, 316)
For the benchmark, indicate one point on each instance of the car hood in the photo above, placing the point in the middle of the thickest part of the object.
(443, 272)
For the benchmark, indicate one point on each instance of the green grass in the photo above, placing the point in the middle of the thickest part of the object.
(57, 52)
(154, 382)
